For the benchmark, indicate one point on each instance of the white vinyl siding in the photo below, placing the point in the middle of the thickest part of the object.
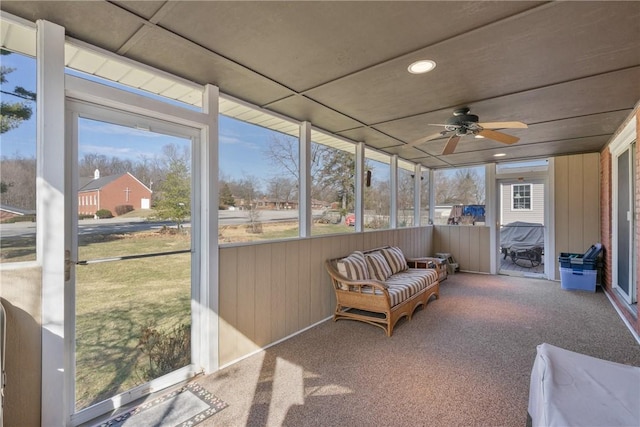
(534, 214)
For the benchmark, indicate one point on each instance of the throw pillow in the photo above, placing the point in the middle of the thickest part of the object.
(354, 267)
(395, 258)
(378, 266)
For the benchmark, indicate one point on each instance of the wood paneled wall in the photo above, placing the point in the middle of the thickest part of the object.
(469, 245)
(577, 203)
(21, 297)
(271, 290)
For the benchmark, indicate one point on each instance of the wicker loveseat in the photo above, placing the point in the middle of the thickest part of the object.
(379, 288)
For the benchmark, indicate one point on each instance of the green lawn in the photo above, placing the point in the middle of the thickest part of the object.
(116, 300)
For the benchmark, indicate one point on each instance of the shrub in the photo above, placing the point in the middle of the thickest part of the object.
(166, 351)
(123, 209)
(85, 216)
(104, 213)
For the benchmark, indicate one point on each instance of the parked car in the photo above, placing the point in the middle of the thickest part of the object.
(350, 219)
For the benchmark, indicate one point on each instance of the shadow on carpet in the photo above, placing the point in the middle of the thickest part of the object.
(183, 407)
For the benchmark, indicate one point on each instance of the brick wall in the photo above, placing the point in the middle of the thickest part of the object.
(606, 196)
(115, 193)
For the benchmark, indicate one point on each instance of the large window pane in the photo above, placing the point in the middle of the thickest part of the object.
(258, 183)
(377, 194)
(406, 191)
(332, 186)
(18, 158)
(460, 195)
(424, 197)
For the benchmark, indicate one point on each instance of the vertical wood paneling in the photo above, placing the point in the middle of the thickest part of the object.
(304, 283)
(279, 291)
(576, 203)
(464, 249)
(561, 200)
(475, 248)
(292, 274)
(246, 304)
(228, 340)
(485, 255)
(454, 242)
(577, 211)
(591, 225)
(318, 302)
(263, 290)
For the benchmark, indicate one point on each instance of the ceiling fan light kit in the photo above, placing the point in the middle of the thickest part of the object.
(463, 123)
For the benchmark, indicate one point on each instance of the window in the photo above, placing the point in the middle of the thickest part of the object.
(333, 164)
(377, 194)
(424, 197)
(259, 170)
(521, 197)
(18, 158)
(460, 195)
(406, 191)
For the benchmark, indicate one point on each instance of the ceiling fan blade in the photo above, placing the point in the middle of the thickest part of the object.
(424, 139)
(504, 125)
(499, 136)
(451, 145)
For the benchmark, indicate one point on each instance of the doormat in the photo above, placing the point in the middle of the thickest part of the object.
(187, 406)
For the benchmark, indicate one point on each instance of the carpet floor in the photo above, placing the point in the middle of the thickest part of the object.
(464, 360)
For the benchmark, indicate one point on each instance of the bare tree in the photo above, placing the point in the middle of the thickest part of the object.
(282, 190)
(18, 186)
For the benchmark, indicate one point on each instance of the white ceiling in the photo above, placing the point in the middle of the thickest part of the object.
(570, 70)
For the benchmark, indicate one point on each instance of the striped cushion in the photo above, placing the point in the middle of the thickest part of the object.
(378, 267)
(395, 258)
(353, 267)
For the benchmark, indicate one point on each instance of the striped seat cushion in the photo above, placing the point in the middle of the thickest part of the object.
(353, 267)
(378, 267)
(395, 259)
(408, 283)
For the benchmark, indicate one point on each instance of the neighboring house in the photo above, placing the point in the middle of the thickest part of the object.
(8, 212)
(522, 202)
(276, 204)
(111, 191)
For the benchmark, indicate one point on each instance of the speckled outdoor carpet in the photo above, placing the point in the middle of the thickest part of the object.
(183, 407)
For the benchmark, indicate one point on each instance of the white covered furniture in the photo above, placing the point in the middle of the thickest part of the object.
(573, 389)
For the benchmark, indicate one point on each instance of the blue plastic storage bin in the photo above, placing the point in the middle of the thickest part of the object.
(581, 280)
(587, 261)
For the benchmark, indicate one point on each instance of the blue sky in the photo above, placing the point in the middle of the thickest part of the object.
(241, 145)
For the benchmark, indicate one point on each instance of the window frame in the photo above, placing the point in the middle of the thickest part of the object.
(529, 196)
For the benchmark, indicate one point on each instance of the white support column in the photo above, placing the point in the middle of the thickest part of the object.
(393, 181)
(359, 191)
(432, 196)
(492, 207)
(52, 237)
(209, 191)
(304, 184)
(417, 195)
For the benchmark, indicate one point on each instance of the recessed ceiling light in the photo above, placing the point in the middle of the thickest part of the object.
(422, 66)
(479, 136)
(499, 155)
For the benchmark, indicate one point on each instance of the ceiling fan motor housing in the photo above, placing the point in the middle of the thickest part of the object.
(462, 123)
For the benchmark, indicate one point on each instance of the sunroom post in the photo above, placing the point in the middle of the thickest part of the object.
(304, 182)
(359, 191)
(393, 215)
(417, 195)
(52, 236)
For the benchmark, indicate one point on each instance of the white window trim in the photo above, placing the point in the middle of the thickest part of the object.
(530, 198)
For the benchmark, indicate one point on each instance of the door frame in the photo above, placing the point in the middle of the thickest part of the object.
(536, 175)
(75, 110)
(624, 141)
(56, 307)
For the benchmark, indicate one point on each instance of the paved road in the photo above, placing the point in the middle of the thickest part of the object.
(129, 225)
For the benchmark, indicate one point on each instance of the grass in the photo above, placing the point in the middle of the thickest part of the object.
(115, 301)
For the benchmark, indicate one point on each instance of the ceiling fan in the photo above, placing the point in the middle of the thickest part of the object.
(462, 123)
